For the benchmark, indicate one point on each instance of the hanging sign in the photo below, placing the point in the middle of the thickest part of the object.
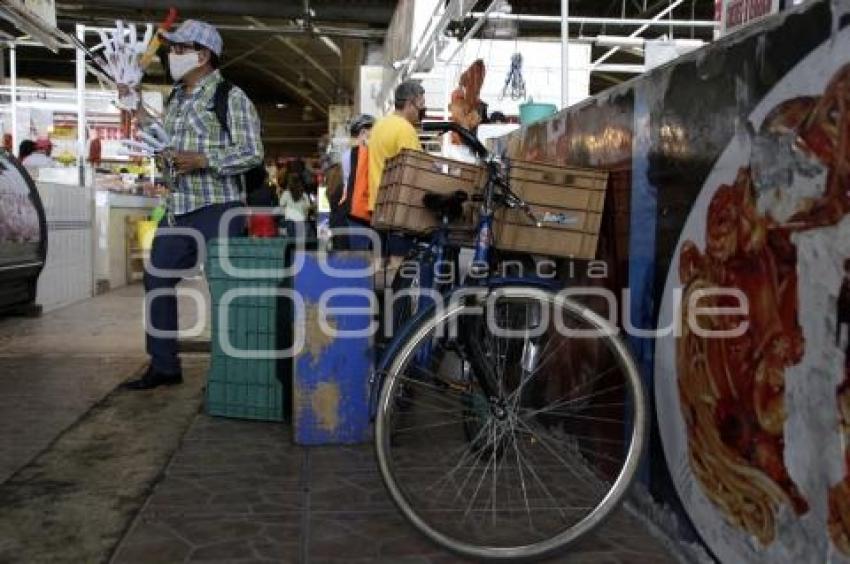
(737, 14)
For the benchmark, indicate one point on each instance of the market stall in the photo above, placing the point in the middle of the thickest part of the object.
(86, 211)
(88, 222)
(116, 235)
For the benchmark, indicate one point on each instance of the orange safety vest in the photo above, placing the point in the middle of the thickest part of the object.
(360, 188)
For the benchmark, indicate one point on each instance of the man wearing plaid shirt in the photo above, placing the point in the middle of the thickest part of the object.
(209, 162)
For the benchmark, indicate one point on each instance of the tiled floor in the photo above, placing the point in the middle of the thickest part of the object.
(77, 462)
(53, 369)
(242, 492)
(75, 500)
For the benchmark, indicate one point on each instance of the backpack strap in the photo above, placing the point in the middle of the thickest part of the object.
(221, 96)
(170, 96)
(219, 106)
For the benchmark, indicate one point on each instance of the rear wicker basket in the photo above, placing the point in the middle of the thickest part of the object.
(412, 174)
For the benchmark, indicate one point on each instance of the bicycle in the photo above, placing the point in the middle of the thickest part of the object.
(488, 441)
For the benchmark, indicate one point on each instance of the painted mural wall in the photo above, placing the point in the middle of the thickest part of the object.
(731, 169)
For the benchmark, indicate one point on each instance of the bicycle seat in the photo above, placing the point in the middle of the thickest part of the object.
(449, 206)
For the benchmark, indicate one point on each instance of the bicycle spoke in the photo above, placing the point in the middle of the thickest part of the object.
(543, 487)
(565, 415)
(440, 392)
(435, 406)
(595, 453)
(495, 460)
(470, 473)
(528, 478)
(581, 399)
(591, 452)
(555, 455)
(617, 404)
(539, 367)
(469, 449)
(428, 425)
(521, 477)
(483, 474)
(588, 437)
(595, 379)
(579, 387)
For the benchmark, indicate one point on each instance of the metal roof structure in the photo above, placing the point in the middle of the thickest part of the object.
(295, 58)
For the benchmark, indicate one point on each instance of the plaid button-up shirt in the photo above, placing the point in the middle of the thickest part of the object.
(193, 126)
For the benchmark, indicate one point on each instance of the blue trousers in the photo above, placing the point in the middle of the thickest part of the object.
(358, 242)
(176, 252)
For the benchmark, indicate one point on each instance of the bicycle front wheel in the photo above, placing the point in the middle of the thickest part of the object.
(523, 437)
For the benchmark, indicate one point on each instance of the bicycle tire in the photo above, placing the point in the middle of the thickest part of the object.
(612, 497)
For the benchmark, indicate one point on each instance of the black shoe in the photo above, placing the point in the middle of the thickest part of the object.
(152, 379)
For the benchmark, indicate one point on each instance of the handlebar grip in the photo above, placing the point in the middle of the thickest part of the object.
(466, 136)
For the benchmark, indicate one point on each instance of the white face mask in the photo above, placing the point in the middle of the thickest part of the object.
(179, 65)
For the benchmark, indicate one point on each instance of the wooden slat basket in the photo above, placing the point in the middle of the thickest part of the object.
(411, 175)
(568, 201)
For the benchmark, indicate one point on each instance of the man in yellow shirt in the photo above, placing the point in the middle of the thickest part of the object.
(395, 132)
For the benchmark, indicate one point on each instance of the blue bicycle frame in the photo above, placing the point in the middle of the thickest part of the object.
(480, 267)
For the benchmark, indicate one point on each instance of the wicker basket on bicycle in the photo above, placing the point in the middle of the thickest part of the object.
(566, 201)
(408, 177)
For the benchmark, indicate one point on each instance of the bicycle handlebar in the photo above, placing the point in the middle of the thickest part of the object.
(511, 199)
(466, 136)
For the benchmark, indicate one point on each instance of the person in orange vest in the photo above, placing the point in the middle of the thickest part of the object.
(355, 172)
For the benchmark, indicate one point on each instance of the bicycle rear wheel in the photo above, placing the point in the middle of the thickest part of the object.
(552, 451)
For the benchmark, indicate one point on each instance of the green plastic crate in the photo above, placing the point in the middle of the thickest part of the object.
(256, 388)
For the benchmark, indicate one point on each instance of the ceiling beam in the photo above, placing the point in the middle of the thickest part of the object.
(291, 88)
(658, 17)
(655, 21)
(363, 33)
(265, 65)
(300, 52)
(608, 78)
(342, 12)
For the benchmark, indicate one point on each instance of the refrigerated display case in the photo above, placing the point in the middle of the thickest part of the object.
(23, 236)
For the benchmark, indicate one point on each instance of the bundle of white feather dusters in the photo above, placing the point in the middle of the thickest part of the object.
(122, 50)
(151, 142)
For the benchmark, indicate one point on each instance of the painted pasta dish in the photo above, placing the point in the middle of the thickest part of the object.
(732, 390)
